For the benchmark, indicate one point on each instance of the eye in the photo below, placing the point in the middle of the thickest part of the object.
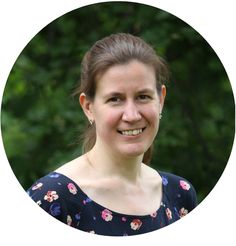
(144, 97)
(114, 99)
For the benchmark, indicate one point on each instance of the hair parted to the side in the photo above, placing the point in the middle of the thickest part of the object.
(113, 50)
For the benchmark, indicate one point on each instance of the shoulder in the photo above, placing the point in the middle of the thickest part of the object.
(75, 170)
(179, 189)
(175, 180)
(55, 193)
(51, 182)
(54, 184)
(47, 189)
(47, 193)
(152, 177)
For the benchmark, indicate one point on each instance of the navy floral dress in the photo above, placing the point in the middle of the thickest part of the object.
(63, 199)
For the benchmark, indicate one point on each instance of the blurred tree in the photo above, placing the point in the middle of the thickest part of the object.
(41, 122)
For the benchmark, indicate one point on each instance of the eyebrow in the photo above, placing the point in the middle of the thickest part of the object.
(115, 93)
(147, 90)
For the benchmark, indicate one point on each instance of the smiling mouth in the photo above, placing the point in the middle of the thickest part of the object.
(134, 132)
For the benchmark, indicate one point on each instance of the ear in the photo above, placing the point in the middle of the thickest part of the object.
(162, 97)
(87, 106)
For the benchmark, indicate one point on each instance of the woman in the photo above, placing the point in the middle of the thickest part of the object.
(110, 189)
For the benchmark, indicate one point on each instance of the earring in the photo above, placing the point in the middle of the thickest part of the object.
(160, 116)
(91, 122)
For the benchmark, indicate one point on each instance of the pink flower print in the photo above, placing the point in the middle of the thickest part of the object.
(124, 219)
(136, 224)
(72, 188)
(168, 214)
(37, 186)
(153, 215)
(184, 185)
(51, 196)
(68, 220)
(107, 215)
(183, 212)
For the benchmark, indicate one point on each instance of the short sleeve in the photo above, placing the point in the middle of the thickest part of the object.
(50, 193)
(180, 192)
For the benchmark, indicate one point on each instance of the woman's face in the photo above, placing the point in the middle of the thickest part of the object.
(126, 109)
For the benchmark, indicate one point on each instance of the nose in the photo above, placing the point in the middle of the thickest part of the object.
(131, 113)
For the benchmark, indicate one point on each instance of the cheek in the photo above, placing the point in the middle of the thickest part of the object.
(111, 119)
(107, 121)
(152, 115)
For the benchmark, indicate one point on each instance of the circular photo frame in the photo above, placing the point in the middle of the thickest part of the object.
(41, 122)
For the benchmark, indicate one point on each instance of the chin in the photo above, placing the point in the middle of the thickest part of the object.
(132, 153)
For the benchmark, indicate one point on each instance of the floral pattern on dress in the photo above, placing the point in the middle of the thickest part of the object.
(153, 215)
(183, 212)
(164, 180)
(124, 219)
(37, 186)
(51, 196)
(184, 185)
(55, 209)
(168, 213)
(39, 202)
(71, 187)
(86, 201)
(63, 199)
(136, 224)
(68, 220)
(107, 215)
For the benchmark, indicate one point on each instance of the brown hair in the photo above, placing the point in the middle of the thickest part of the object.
(116, 49)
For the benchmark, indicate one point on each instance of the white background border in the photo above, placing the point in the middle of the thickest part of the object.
(22, 223)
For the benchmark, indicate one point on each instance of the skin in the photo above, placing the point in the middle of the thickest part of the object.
(112, 173)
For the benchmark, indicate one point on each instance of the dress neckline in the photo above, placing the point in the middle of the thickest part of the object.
(101, 207)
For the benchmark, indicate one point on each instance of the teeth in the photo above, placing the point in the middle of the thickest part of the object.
(132, 132)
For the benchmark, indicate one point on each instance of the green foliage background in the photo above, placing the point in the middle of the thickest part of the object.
(41, 122)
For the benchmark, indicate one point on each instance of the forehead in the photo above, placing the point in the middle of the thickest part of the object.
(131, 76)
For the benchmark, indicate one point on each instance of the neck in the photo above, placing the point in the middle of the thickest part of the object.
(106, 164)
